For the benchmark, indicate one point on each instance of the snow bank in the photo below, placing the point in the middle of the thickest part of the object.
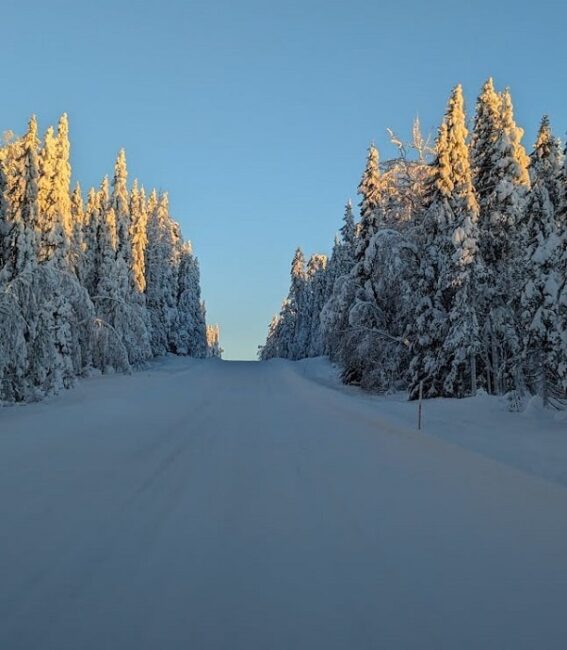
(534, 440)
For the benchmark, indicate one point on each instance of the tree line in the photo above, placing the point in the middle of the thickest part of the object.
(101, 282)
(454, 277)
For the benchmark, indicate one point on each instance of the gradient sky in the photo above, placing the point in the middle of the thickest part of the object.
(256, 115)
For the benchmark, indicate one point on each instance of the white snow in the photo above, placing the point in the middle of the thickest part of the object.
(534, 441)
(208, 505)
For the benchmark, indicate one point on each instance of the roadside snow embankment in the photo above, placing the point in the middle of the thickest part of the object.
(534, 440)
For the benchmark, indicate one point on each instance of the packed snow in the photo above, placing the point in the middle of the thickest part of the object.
(240, 505)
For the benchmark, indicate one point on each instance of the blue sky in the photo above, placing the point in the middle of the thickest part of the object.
(256, 116)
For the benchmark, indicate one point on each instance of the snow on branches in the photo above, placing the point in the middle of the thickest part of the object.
(104, 286)
(454, 278)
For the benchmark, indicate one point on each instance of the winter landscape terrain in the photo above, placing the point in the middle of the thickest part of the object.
(213, 504)
(170, 499)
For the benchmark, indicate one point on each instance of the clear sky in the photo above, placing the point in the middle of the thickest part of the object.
(256, 115)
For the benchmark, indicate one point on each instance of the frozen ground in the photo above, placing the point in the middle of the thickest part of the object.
(243, 506)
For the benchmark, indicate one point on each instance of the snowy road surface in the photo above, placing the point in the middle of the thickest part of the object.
(242, 506)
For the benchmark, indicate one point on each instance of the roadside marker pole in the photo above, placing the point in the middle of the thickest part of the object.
(420, 405)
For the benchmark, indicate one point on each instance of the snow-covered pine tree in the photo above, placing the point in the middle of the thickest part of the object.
(559, 336)
(22, 206)
(161, 273)
(372, 217)
(299, 297)
(316, 280)
(280, 341)
(288, 336)
(214, 349)
(154, 270)
(63, 176)
(91, 225)
(43, 303)
(370, 191)
(20, 214)
(78, 222)
(335, 312)
(486, 131)
(372, 351)
(191, 334)
(4, 224)
(501, 209)
(546, 162)
(342, 257)
(339, 290)
(559, 333)
(138, 237)
(444, 333)
(539, 266)
(372, 304)
(562, 202)
(104, 195)
(348, 229)
(269, 349)
(335, 315)
(539, 299)
(50, 230)
(347, 249)
(66, 309)
(109, 351)
(120, 203)
(332, 268)
(123, 322)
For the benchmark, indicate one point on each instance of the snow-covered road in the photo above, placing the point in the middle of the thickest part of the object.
(243, 506)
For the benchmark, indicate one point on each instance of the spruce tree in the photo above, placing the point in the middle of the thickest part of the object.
(559, 334)
(316, 278)
(90, 240)
(63, 177)
(104, 195)
(20, 242)
(4, 223)
(500, 248)
(214, 349)
(110, 352)
(120, 204)
(191, 333)
(78, 221)
(539, 298)
(334, 313)
(546, 162)
(445, 331)
(486, 131)
(50, 231)
(348, 229)
(157, 261)
(370, 191)
(138, 237)
(299, 299)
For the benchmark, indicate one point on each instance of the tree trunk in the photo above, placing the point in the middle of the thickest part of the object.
(473, 374)
(495, 367)
(542, 379)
